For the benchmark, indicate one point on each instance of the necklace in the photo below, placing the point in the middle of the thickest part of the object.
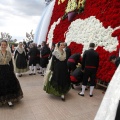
(4, 57)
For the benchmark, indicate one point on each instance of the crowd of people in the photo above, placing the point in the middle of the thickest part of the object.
(30, 57)
(63, 69)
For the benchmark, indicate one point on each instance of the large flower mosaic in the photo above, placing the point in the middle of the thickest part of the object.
(98, 23)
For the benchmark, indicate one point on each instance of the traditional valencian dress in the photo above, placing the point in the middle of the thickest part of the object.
(20, 60)
(57, 83)
(10, 89)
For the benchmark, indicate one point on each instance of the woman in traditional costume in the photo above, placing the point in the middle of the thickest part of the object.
(20, 60)
(58, 83)
(10, 90)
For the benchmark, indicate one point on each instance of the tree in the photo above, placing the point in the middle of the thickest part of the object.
(5, 36)
(8, 37)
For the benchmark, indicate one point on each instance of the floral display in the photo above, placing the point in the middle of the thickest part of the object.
(98, 23)
(96, 33)
(60, 1)
(73, 7)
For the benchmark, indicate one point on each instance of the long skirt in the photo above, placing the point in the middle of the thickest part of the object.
(44, 62)
(21, 65)
(58, 82)
(10, 89)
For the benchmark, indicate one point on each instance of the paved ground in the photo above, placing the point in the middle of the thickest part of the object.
(37, 105)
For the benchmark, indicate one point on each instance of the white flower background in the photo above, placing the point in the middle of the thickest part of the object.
(87, 31)
(51, 31)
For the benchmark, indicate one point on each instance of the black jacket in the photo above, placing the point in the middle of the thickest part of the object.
(68, 52)
(45, 51)
(90, 58)
(76, 57)
(33, 52)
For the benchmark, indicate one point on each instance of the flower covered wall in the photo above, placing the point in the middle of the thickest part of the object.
(98, 22)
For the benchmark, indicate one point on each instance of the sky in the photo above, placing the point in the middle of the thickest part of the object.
(20, 16)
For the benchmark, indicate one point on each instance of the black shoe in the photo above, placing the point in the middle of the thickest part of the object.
(63, 99)
(10, 104)
(77, 84)
(20, 75)
(34, 73)
(80, 94)
(42, 75)
(39, 72)
(91, 95)
(30, 74)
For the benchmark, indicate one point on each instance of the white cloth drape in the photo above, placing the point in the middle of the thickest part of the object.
(41, 32)
(108, 107)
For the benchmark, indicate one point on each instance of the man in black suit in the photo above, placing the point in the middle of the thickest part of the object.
(45, 52)
(33, 52)
(90, 63)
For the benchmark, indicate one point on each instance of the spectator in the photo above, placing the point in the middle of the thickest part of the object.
(32, 58)
(115, 60)
(45, 52)
(21, 59)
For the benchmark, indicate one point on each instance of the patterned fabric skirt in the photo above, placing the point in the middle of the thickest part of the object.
(21, 64)
(58, 82)
(10, 89)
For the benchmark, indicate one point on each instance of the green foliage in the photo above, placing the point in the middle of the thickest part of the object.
(13, 43)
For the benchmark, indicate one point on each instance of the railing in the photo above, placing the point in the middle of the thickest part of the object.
(101, 83)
